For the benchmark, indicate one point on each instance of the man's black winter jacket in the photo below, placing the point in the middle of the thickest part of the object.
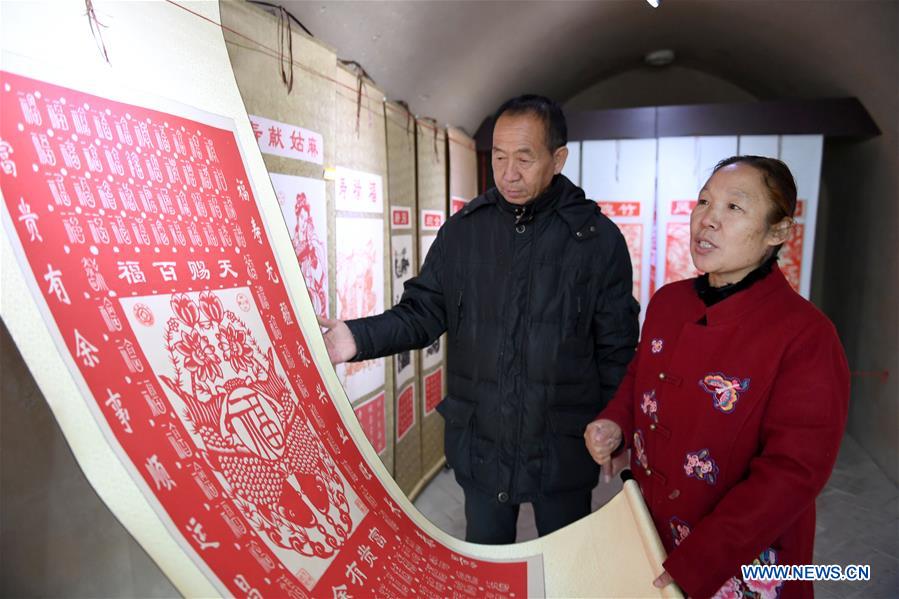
(541, 325)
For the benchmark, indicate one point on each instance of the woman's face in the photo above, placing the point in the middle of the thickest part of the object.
(729, 231)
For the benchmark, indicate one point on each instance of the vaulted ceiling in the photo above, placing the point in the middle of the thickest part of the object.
(457, 60)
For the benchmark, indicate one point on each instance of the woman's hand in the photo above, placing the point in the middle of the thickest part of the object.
(602, 438)
(663, 580)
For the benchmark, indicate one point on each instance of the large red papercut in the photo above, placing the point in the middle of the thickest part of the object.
(790, 257)
(405, 411)
(678, 262)
(143, 239)
(433, 390)
(633, 236)
(360, 292)
(302, 202)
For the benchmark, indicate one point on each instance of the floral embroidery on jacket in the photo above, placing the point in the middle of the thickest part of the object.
(639, 450)
(699, 465)
(656, 346)
(736, 588)
(725, 390)
(649, 405)
(679, 530)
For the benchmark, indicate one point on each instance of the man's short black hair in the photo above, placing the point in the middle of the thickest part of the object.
(543, 108)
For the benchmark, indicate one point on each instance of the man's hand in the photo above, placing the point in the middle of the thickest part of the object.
(602, 438)
(338, 340)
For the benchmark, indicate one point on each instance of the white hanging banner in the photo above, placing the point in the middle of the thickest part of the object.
(358, 191)
(289, 141)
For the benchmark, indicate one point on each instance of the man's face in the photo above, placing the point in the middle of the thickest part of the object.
(523, 165)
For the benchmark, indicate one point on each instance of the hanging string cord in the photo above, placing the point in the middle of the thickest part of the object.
(361, 75)
(285, 38)
(285, 11)
(358, 102)
(428, 121)
(96, 27)
(410, 120)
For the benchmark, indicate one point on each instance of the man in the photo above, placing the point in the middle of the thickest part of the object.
(533, 286)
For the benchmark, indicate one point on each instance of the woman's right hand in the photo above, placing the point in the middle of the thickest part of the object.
(602, 438)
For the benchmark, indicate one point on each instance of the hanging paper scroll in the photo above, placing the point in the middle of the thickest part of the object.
(362, 242)
(572, 168)
(620, 176)
(404, 265)
(431, 221)
(803, 154)
(432, 202)
(463, 169)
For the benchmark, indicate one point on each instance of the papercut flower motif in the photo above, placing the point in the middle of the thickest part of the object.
(639, 450)
(234, 347)
(730, 590)
(185, 309)
(679, 530)
(701, 466)
(211, 306)
(649, 405)
(766, 589)
(199, 356)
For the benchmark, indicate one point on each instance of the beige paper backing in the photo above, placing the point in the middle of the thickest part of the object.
(602, 555)
(463, 164)
(431, 183)
(401, 185)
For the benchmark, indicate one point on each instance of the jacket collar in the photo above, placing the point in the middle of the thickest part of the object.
(743, 302)
(571, 205)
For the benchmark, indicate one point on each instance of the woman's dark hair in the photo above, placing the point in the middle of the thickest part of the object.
(543, 108)
(778, 179)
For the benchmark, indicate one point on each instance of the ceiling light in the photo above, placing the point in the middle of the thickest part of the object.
(659, 58)
(654, 3)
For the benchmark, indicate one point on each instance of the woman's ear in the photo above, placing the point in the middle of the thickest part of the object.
(780, 232)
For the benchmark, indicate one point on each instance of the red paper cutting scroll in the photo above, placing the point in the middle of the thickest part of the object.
(157, 277)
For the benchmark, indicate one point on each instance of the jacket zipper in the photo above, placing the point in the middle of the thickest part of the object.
(523, 368)
(459, 311)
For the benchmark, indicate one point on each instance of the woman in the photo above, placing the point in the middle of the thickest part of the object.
(735, 404)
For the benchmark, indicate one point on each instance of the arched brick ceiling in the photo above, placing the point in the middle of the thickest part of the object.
(457, 60)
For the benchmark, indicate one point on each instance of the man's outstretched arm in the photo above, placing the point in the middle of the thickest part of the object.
(415, 322)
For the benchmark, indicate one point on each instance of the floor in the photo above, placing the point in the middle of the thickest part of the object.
(858, 521)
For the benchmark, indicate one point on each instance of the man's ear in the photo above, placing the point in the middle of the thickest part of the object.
(559, 158)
